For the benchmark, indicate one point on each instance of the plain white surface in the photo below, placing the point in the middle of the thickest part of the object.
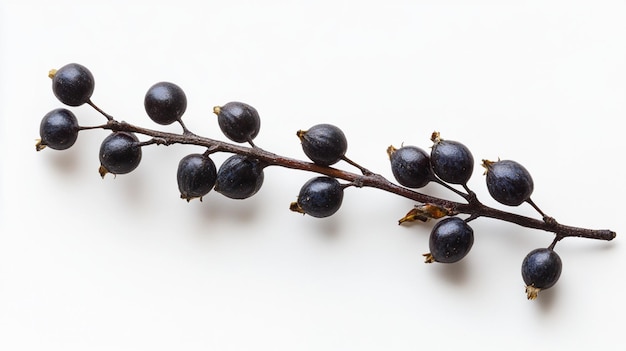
(124, 264)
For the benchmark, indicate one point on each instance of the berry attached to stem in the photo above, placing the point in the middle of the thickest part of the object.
(324, 144)
(319, 197)
(72, 84)
(120, 153)
(541, 269)
(452, 161)
(410, 166)
(239, 177)
(240, 122)
(508, 182)
(450, 240)
(58, 130)
(196, 176)
(165, 103)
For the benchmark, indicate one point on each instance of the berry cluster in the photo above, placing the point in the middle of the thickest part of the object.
(449, 163)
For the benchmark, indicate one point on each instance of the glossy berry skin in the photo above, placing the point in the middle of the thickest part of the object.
(165, 103)
(410, 166)
(452, 161)
(196, 176)
(450, 240)
(119, 153)
(324, 144)
(240, 122)
(508, 182)
(319, 197)
(72, 84)
(541, 269)
(239, 177)
(58, 130)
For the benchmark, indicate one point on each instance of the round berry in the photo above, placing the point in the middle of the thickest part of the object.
(239, 177)
(508, 182)
(324, 144)
(165, 103)
(120, 153)
(450, 240)
(240, 122)
(410, 166)
(72, 84)
(58, 130)
(541, 269)
(196, 176)
(452, 161)
(319, 197)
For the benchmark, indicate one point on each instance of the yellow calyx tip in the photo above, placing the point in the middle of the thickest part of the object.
(52, 73)
(486, 165)
(39, 145)
(390, 150)
(435, 137)
(295, 207)
(217, 110)
(428, 258)
(103, 171)
(300, 133)
(532, 292)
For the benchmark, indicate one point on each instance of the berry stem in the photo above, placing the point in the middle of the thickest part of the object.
(449, 187)
(108, 116)
(363, 170)
(556, 240)
(473, 207)
(186, 131)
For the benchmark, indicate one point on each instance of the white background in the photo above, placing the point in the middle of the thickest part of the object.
(124, 264)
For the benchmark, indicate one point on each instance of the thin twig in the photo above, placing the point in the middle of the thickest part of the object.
(473, 207)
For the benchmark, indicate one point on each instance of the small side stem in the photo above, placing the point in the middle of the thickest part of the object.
(556, 240)
(363, 170)
(108, 116)
(449, 187)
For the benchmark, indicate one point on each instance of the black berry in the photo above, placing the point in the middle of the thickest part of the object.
(508, 182)
(72, 84)
(450, 240)
(120, 153)
(58, 130)
(196, 176)
(239, 177)
(541, 269)
(319, 197)
(240, 122)
(165, 103)
(324, 144)
(452, 161)
(410, 166)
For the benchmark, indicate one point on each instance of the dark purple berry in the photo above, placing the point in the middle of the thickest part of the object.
(541, 269)
(452, 161)
(240, 122)
(165, 103)
(324, 144)
(410, 166)
(239, 177)
(196, 176)
(319, 197)
(508, 182)
(58, 130)
(72, 84)
(450, 240)
(120, 153)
